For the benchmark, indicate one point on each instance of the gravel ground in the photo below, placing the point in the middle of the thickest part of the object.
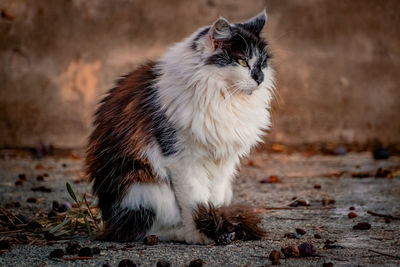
(299, 177)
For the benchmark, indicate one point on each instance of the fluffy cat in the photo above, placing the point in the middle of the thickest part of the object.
(168, 138)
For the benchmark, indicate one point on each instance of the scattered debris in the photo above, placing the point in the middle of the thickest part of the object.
(196, 263)
(126, 263)
(299, 202)
(352, 215)
(41, 189)
(151, 240)
(275, 257)
(57, 253)
(273, 179)
(31, 200)
(291, 252)
(300, 231)
(85, 252)
(328, 201)
(163, 263)
(380, 153)
(384, 173)
(362, 226)
(292, 235)
(5, 244)
(73, 248)
(383, 215)
(306, 250)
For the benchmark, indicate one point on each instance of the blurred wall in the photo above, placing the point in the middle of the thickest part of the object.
(337, 63)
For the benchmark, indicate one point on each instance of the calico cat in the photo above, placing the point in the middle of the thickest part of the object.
(168, 137)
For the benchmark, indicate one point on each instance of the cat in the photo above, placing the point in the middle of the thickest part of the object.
(168, 137)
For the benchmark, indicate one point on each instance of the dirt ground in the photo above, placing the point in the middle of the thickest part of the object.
(339, 181)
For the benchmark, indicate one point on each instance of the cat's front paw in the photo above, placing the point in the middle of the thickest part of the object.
(192, 236)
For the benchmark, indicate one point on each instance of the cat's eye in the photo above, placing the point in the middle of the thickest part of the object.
(242, 62)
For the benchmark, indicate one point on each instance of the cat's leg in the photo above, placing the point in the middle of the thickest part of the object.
(222, 175)
(192, 187)
(160, 199)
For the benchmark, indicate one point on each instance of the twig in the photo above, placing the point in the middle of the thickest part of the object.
(383, 215)
(384, 254)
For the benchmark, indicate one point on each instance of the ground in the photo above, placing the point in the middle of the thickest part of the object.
(341, 181)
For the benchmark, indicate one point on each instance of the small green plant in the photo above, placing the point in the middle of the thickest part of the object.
(83, 217)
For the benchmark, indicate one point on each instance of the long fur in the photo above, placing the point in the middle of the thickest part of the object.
(169, 136)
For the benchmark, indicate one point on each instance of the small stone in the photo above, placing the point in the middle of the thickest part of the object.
(22, 176)
(106, 265)
(41, 189)
(327, 264)
(65, 206)
(292, 236)
(5, 244)
(57, 253)
(291, 252)
(381, 153)
(31, 200)
(362, 226)
(352, 215)
(317, 186)
(73, 248)
(317, 236)
(306, 250)
(32, 225)
(126, 263)
(196, 263)
(275, 257)
(64, 165)
(163, 263)
(352, 208)
(19, 183)
(300, 231)
(150, 240)
(96, 250)
(40, 178)
(85, 252)
(388, 220)
(273, 179)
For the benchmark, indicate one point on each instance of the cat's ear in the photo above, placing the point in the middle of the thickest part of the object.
(256, 24)
(219, 32)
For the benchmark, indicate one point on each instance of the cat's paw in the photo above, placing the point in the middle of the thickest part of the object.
(192, 236)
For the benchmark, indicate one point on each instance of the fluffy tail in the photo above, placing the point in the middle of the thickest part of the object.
(229, 223)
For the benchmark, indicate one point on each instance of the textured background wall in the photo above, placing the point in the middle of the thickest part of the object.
(338, 63)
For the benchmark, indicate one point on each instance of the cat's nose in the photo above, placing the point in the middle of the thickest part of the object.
(257, 76)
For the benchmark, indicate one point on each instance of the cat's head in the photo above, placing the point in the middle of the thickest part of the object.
(238, 51)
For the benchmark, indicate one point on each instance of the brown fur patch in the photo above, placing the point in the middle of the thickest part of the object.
(125, 124)
(238, 219)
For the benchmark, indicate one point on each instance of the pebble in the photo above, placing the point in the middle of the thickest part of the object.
(31, 200)
(300, 231)
(291, 252)
(352, 215)
(275, 257)
(85, 252)
(352, 208)
(306, 250)
(327, 264)
(57, 253)
(317, 236)
(73, 248)
(163, 263)
(362, 226)
(126, 263)
(317, 186)
(150, 240)
(196, 263)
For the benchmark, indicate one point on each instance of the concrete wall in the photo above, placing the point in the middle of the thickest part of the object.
(338, 63)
